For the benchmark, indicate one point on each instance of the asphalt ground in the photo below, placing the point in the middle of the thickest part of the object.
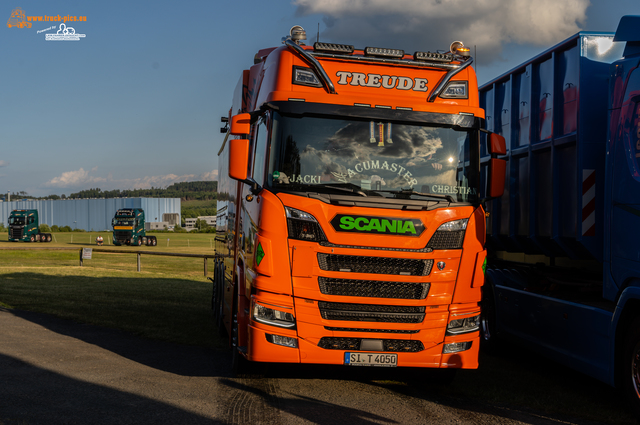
(54, 371)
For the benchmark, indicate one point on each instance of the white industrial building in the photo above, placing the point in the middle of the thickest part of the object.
(94, 214)
(190, 223)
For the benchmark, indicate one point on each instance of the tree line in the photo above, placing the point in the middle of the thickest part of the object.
(187, 191)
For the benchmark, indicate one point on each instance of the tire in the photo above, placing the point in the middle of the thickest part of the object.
(240, 366)
(631, 366)
(139, 242)
(216, 298)
(154, 241)
(48, 237)
(489, 341)
(32, 238)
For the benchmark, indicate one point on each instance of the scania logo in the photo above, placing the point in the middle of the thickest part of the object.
(378, 225)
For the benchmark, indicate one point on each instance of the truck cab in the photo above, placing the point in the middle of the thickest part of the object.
(24, 226)
(350, 223)
(129, 228)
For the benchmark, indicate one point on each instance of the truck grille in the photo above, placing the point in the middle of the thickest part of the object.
(373, 288)
(122, 236)
(17, 232)
(396, 345)
(371, 312)
(376, 265)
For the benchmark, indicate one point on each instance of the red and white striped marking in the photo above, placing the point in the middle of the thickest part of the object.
(588, 202)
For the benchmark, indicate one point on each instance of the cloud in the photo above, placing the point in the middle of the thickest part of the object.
(81, 179)
(434, 24)
(3, 163)
(74, 179)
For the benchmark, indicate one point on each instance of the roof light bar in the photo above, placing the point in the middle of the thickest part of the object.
(383, 53)
(432, 57)
(333, 48)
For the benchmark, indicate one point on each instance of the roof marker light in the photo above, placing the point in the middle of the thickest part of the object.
(305, 77)
(455, 90)
(383, 53)
(333, 48)
(433, 57)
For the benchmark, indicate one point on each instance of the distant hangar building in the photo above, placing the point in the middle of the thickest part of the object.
(94, 214)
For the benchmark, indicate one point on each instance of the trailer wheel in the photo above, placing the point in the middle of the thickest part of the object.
(631, 366)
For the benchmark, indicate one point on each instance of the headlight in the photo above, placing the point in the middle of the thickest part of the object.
(449, 235)
(303, 226)
(273, 317)
(463, 326)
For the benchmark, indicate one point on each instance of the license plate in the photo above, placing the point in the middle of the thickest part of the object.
(371, 359)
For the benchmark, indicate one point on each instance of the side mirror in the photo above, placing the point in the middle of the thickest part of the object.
(238, 158)
(496, 177)
(113, 221)
(239, 164)
(497, 172)
(240, 124)
(496, 145)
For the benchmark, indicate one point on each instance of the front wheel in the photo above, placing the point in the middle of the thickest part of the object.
(488, 334)
(631, 366)
(239, 364)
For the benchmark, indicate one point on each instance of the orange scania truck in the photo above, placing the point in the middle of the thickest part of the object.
(350, 226)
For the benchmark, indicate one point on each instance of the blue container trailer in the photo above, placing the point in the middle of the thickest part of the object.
(564, 271)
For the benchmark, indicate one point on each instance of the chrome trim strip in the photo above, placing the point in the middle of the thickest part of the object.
(314, 64)
(436, 92)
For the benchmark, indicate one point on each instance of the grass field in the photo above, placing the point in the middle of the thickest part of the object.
(170, 300)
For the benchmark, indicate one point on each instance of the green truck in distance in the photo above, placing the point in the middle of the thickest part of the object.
(128, 228)
(25, 226)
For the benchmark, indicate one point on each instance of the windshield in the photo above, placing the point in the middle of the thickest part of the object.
(371, 158)
(16, 220)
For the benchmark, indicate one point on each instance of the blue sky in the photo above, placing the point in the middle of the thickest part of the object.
(137, 101)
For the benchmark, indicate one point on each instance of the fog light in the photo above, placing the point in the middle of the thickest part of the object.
(456, 347)
(282, 340)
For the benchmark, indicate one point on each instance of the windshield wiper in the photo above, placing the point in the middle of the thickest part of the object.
(345, 187)
(352, 188)
(409, 192)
